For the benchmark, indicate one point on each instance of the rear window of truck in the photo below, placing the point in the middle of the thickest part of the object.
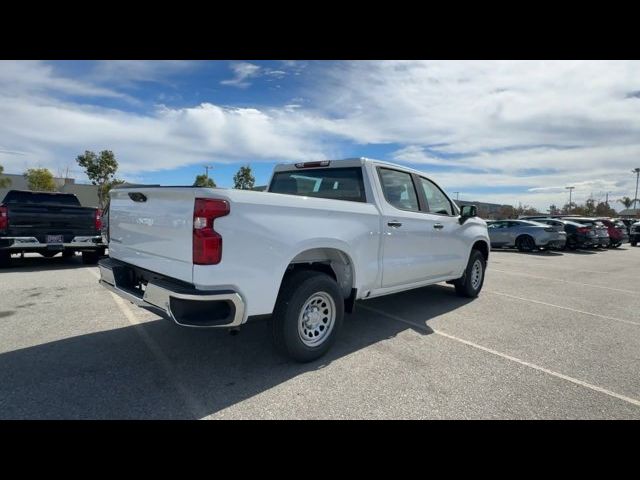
(40, 198)
(334, 183)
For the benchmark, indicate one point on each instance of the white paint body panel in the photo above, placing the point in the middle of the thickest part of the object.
(265, 231)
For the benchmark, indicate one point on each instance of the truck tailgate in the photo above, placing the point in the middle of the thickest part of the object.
(152, 228)
(41, 220)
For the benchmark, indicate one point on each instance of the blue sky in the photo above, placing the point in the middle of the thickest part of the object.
(505, 131)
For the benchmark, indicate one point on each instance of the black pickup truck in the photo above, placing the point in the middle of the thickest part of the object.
(49, 223)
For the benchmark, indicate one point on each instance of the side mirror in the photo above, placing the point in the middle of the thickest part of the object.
(468, 211)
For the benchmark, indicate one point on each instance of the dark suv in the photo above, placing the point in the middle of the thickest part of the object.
(578, 235)
(634, 236)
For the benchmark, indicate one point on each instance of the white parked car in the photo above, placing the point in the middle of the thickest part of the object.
(322, 236)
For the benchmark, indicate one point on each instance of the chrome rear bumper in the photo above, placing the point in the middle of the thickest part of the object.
(187, 307)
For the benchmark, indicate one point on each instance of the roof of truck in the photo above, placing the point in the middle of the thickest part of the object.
(343, 163)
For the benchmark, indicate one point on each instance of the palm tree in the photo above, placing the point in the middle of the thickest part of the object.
(626, 201)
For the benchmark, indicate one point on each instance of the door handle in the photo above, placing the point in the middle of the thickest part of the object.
(438, 226)
(394, 224)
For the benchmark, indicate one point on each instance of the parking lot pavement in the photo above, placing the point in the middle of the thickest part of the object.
(553, 335)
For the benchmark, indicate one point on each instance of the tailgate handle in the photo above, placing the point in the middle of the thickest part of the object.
(137, 197)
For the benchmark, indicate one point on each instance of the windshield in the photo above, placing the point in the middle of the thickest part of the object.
(334, 183)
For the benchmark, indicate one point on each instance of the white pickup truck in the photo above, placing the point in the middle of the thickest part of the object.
(322, 236)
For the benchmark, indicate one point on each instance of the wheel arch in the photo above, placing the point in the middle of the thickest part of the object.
(483, 246)
(333, 261)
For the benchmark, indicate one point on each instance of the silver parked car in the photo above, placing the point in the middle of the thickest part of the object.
(525, 235)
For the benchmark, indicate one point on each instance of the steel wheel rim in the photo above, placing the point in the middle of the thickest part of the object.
(317, 318)
(476, 274)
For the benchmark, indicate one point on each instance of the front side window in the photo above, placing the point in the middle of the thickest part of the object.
(437, 202)
(398, 189)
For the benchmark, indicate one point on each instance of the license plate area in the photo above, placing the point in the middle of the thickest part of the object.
(55, 239)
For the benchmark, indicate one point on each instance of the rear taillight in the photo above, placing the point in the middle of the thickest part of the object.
(97, 218)
(4, 217)
(207, 243)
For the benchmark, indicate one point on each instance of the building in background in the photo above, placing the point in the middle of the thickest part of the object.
(630, 213)
(485, 210)
(87, 194)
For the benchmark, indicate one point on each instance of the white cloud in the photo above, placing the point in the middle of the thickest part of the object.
(36, 77)
(242, 71)
(417, 155)
(129, 72)
(532, 127)
(50, 131)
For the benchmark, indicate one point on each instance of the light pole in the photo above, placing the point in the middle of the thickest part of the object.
(637, 172)
(570, 191)
(206, 170)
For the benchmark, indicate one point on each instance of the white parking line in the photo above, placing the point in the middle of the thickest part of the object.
(563, 281)
(606, 317)
(196, 408)
(547, 265)
(562, 376)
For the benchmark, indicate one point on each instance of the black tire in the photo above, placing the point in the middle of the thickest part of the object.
(297, 288)
(525, 243)
(633, 244)
(465, 284)
(90, 258)
(5, 259)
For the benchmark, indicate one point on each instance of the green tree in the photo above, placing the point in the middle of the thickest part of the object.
(590, 207)
(204, 181)
(553, 210)
(4, 182)
(506, 211)
(604, 210)
(40, 179)
(101, 170)
(244, 179)
(626, 201)
(525, 210)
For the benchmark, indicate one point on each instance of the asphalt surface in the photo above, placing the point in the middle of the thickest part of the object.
(552, 335)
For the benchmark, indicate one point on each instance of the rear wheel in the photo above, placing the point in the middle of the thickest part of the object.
(308, 315)
(5, 259)
(470, 284)
(525, 243)
(634, 243)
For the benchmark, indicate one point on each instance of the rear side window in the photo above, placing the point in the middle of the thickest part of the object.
(41, 198)
(333, 183)
(398, 189)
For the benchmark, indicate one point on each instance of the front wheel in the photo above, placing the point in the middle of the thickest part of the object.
(470, 284)
(308, 315)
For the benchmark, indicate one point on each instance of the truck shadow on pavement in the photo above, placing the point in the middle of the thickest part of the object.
(538, 253)
(158, 370)
(37, 263)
